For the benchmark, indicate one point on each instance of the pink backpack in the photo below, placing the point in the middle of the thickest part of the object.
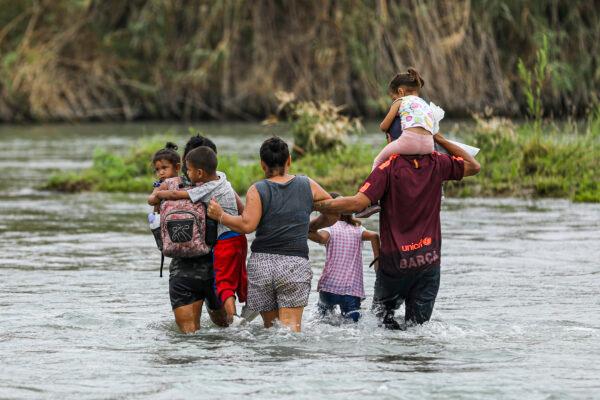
(183, 226)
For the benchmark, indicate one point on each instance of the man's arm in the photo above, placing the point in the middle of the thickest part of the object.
(327, 218)
(472, 167)
(336, 206)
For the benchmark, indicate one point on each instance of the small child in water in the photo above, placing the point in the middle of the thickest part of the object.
(341, 282)
(231, 247)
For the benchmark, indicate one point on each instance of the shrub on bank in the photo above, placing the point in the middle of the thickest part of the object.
(516, 161)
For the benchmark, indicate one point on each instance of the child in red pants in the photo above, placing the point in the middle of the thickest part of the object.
(230, 270)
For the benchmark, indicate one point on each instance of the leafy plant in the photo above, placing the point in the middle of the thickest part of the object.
(533, 81)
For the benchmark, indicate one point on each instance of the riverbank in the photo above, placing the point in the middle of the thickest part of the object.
(516, 161)
(68, 60)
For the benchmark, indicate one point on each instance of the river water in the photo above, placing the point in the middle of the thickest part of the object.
(83, 313)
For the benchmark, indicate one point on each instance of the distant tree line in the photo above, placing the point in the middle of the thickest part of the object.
(222, 59)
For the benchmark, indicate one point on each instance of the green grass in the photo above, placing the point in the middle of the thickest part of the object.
(515, 160)
(518, 161)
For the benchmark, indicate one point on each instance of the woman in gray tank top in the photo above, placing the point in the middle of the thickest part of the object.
(278, 208)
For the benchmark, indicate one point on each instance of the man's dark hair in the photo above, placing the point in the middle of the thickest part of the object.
(203, 158)
(195, 142)
(274, 152)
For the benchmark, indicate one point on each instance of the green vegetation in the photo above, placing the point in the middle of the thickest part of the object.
(533, 81)
(163, 59)
(518, 161)
(515, 162)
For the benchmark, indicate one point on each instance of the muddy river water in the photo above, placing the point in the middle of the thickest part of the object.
(83, 313)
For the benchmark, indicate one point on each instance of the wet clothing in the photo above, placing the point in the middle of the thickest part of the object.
(276, 281)
(286, 209)
(197, 267)
(230, 266)
(409, 191)
(221, 191)
(192, 279)
(349, 305)
(418, 289)
(343, 272)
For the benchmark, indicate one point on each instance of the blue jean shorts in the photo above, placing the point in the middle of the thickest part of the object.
(349, 305)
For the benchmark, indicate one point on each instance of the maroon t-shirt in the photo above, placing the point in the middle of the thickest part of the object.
(410, 190)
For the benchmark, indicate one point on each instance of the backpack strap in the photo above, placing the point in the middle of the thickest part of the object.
(162, 262)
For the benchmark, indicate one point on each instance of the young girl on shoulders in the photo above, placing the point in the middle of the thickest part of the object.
(419, 120)
(341, 282)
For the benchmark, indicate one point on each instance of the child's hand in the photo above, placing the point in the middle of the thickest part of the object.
(214, 210)
(163, 194)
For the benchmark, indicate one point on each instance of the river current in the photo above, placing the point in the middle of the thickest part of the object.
(83, 313)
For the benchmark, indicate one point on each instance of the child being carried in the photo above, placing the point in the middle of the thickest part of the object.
(419, 122)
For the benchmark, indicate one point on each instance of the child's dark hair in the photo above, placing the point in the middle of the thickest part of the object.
(274, 152)
(203, 158)
(410, 79)
(194, 142)
(347, 218)
(169, 154)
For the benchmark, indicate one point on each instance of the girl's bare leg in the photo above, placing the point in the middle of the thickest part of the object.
(291, 317)
(268, 317)
(188, 317)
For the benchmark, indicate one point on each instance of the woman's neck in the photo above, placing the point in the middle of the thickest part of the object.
(280, 177)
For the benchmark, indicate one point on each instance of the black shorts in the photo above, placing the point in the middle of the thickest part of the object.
(185, 290)
(417, 289)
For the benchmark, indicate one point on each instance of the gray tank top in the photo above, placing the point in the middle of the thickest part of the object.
(286, 208)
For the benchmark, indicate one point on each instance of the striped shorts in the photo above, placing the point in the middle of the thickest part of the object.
(276, 281)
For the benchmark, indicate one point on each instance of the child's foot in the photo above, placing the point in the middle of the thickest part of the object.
(248, 314)
(367, 212)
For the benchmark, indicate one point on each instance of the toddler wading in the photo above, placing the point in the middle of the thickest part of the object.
(341, 283)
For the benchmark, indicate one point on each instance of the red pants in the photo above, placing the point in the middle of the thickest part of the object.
(230, 268)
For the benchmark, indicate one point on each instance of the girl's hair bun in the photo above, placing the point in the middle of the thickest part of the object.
(416, 77)
(171, 146)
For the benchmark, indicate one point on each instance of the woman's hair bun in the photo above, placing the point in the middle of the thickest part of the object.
(171, 146)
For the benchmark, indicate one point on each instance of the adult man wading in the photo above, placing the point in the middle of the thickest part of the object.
(409, 190)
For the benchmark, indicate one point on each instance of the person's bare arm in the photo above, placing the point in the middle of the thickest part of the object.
(238, 202)
(472, 167)
(245, 223)
(348, 204)
(172, 194)
(321, 237)
(327, 218)
(391, 115)
(153, 200)
(373, 237)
